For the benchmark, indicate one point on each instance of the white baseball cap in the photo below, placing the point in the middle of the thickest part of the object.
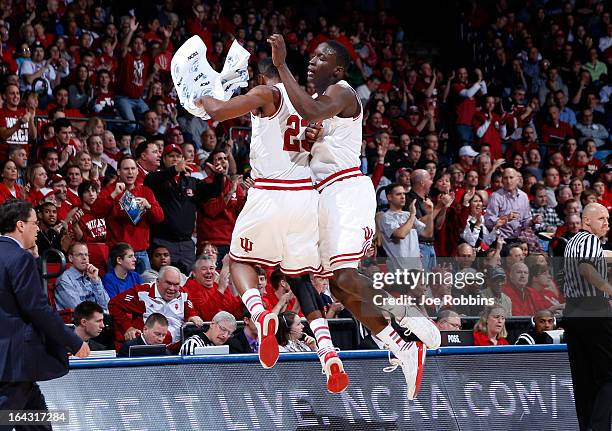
(467, 151)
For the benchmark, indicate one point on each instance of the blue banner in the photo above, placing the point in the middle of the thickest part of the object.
(463, 389)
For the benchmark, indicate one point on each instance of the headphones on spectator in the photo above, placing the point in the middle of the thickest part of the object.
(533, 324)
(291, 331)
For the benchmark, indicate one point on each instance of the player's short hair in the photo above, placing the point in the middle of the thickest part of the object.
(343, 59)
(156, 318)
(85, 310)
(267, 68)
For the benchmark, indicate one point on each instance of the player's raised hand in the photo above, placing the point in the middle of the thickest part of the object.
(279, 50)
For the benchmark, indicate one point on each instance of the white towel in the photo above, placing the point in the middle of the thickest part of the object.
(194, 77)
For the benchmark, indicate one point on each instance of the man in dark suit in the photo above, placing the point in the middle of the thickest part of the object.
(154, 331)
(34, 341)
(245, 339)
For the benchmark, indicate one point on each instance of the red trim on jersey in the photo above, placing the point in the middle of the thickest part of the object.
(334, 177)
(335, 257)
(253, 260)
(282, 181)
(299, 271)
(302, 184)
(263, 187)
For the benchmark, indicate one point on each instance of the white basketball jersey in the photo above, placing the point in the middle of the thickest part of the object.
(277, 146)
(340, 147)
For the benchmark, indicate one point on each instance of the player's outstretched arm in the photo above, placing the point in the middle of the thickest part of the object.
(335, 100)
(257, 98)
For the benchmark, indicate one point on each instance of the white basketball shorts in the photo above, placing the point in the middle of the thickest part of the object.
(347, 209)
(279, 226)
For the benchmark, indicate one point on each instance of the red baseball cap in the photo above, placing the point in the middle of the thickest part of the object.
(56, 178)
(170, 148)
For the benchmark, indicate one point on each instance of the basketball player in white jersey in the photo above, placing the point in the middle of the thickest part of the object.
(347, 203)
(278, 225)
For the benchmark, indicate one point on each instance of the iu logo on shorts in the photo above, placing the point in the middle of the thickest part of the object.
(368, 233)
(246, 244)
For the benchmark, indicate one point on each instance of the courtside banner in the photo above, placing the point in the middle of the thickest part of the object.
(526, 388)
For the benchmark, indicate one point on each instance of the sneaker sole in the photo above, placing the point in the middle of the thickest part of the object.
(422, 354)
(337, 379)
(268, 346)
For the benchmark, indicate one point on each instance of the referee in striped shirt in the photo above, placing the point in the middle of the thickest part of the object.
(588, 321)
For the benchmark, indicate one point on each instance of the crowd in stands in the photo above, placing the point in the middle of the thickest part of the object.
(484, 161)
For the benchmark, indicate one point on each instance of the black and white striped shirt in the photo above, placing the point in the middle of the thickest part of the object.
(584, 247)
(191, 343)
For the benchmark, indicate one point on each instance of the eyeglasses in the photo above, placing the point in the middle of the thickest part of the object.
(454, 325)
(225, 330)
(30, 221)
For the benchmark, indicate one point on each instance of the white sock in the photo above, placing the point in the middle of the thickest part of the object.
(252, 299)
(392, 339)
(321, 332)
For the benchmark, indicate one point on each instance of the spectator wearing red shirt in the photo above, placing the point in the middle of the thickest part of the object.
(19, 155)
(74, 178)
(37, 183)
(89, 229)
(131, 308)
(16, 124)
(555, 130)
(148, 159)
(208, 297)
(120, 226)
(525, 300)
(490, 330)
(465, 103)
(489, 127)
(217, 216)
(196, 25)
(133, 77)
(103, 103)
(9, 189)
(604, 196)
(61, 98)
(280, 298)
(60, 189)
(522, 146)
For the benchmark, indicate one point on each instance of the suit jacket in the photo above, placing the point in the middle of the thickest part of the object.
(239, 343)
(34, 342)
